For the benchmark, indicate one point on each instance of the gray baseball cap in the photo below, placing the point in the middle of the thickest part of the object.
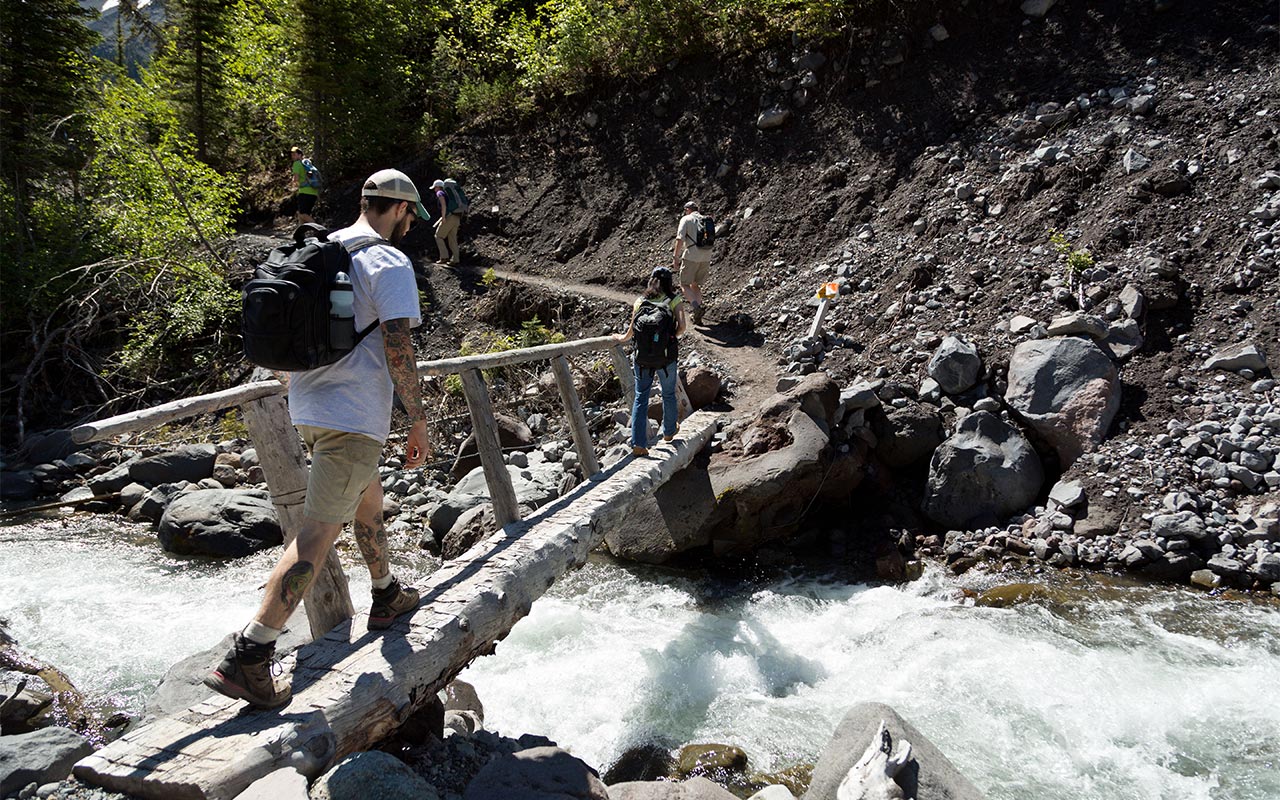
(396, 185)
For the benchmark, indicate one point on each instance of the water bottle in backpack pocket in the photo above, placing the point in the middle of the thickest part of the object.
(342, 314)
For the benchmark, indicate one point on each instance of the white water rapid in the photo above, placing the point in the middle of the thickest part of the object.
(1111, 691)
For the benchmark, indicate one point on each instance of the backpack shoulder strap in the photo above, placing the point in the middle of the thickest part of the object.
(354, 246)
(361, 242)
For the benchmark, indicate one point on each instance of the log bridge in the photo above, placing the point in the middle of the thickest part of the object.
(352, 686)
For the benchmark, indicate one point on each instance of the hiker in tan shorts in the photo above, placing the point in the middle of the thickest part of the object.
(693, 262)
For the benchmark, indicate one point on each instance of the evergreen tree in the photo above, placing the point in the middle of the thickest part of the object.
(44, 83)
(194, 62)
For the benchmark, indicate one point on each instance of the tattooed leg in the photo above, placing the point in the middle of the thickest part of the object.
(296, 571)
(295, 583)
(373, 545)
(370, 533)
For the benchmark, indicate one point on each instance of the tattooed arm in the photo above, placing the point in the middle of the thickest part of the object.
(402, 363)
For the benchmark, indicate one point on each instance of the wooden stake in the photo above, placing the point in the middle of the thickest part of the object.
(577, 420)
(503, 496)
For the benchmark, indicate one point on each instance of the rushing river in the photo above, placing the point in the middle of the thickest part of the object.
(1108, 691)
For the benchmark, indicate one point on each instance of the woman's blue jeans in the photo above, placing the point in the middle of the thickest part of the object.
(640, 408)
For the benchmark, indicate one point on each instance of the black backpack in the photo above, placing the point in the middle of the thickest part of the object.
(655, 332)
(286, 323)
(706, 231)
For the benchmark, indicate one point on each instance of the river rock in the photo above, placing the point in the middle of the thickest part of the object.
(219, 522)
(1067, 390)
(1123, 339)
(40, 757)
(545, 773)
(906, 434)
(955, 365)
(114, 479)
(778, 464)
(511, 433)
(365, 775)
(17, 485)
(192, 462)
(1237, 357)
(1078, 325)
(669, 521)
(642, 762)
(1181, 525)
(702, 385)
(931, 775)
(693, 789)
(153, 504)
(985, 472)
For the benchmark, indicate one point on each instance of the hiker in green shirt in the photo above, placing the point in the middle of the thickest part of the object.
(308, 178)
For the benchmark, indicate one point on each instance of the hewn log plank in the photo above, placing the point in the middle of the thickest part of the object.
(449, 366)
(353, 686)
(577, 420)
(501, 494)
(284, 464)
(178, 409)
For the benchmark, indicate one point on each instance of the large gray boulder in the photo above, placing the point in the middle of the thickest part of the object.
(985, 472)
(42, 756)
(955, 365)
(539, 773)
(1245, 355)
(693, 789)
(370, 774)
(512, 433)
(220, 522)
(667, 522)
(1067, 390)
(192, 462)
(907, 434)
(780, 464)
(935, 778)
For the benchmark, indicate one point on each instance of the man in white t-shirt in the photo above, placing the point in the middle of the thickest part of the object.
(692, 262)
(343, 412)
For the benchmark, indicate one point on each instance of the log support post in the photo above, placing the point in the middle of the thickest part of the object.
(501, 493)
(622, 366)
(285, 466)
(577, 420)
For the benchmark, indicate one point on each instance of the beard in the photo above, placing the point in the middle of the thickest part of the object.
(400, 230)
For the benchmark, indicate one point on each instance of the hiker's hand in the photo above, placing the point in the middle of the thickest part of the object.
(418, 449)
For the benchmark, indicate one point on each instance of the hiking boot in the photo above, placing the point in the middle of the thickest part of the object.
(698, 311)
(639, 451)
(390, 603)
(672, 437)
(246, 674)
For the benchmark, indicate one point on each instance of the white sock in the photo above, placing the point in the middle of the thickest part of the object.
(384, 581)
(261, 634)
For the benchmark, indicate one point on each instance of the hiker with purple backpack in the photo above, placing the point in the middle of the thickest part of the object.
(657, 321)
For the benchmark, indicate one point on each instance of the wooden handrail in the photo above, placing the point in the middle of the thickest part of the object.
(178, 409)
(505, 358)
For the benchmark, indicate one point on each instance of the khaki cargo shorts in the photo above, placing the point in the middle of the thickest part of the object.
(342, 465)
(694, 271)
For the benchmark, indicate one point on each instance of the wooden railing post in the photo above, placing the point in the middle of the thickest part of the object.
(285, 466)
(622, 366)
(503, 496)
(577, 420)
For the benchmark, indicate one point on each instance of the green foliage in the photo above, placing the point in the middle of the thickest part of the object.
(489, 279)
(1077, 260)
(533, 333)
